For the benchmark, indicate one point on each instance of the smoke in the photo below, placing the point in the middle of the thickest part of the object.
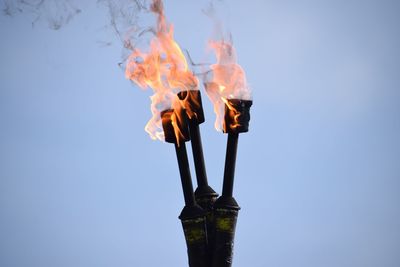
(124, 17)
(55, 13)
(218, 13)
(123, 14)
(126, 20)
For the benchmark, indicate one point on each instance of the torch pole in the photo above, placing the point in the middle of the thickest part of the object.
(226, 209)
(198, 155)
(193, 217)
(204, 194)
(230, 162)
(184, 172)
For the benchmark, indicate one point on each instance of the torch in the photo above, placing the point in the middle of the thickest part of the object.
(204, 194)
(236, 120)
(192, 217)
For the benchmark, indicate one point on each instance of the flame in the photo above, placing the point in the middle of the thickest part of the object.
(173, 124)
(191, 104)
(225, 80)
(164, 69)
(233, 113)
(176, 120)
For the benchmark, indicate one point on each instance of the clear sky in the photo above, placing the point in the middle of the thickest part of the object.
(318, 175)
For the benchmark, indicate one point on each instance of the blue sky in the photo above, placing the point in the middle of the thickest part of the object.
(318, 175)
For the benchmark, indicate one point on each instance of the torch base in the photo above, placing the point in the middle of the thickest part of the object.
(193, 220)
(226, 202)
(226, 211)
(205, 194)
(190, 212)
(206, 197)
(225, 225)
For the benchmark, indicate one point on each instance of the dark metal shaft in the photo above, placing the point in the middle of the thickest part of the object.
(226, 210)
(184, 171)
(204, 194)
(230, 162)
(198, 155)
(192, 216)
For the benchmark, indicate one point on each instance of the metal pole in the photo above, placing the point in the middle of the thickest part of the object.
(226, 209)
(205, 195)
(193, 217)
(198, 155)
(184, 171)
(230, 162)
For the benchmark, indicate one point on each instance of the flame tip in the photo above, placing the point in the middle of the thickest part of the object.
(225, 80)
(163, 68)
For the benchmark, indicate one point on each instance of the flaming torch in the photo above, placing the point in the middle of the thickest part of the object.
(164, 69)
(192, 216)
(226, 86)
(205, 195)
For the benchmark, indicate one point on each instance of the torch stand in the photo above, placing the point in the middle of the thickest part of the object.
(226, 209)
(192, 216)
(205, 195)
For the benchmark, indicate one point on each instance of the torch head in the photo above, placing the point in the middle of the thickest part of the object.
(191, 100)
(237, 115)
(175, 126)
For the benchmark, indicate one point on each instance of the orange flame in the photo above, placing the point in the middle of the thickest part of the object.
(233, 113)
(164, 69)
(226, 80)
(191, 104)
